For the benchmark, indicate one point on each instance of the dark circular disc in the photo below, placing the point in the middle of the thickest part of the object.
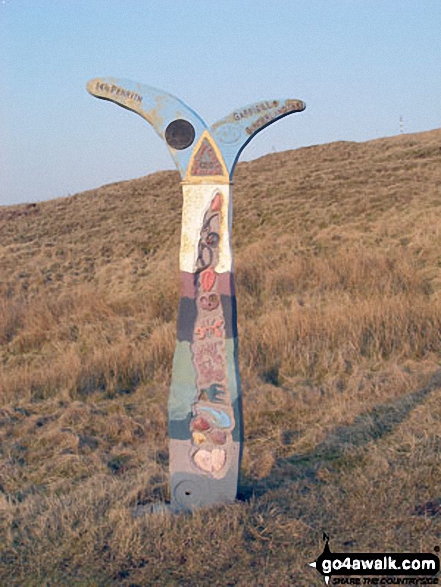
(191, 493)
(179, 134)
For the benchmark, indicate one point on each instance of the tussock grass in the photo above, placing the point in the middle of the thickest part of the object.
(338, 275)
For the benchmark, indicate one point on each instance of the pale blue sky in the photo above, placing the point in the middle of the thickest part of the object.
(358, 64)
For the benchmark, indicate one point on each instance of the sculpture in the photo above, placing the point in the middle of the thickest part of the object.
(205, 415)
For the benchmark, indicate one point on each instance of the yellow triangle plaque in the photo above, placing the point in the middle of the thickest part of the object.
(206, 162)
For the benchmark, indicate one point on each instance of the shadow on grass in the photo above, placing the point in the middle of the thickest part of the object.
(367, 427)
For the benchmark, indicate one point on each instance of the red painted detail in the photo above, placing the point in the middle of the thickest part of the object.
(208, 277)
(200, 332)
(217, 327)
(216, 204)
(201, 424)
(190, 285)
(214, 329)
(206, 161)
(212, 239)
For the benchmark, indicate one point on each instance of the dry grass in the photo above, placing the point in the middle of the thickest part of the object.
(338, 270)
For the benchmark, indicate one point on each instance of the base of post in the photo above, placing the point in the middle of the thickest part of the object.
(189, 492)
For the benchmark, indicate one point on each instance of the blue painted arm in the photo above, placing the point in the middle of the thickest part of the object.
(177, 124)
(236, 130)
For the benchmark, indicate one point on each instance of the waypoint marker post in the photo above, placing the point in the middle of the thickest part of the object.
(204, 409)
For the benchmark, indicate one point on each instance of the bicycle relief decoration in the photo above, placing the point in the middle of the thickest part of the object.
(205, 415)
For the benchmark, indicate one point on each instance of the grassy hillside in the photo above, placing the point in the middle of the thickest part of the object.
(338, 274)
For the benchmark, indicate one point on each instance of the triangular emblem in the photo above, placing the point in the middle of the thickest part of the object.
(206, 162)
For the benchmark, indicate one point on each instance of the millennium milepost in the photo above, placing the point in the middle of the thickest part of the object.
(204, 409)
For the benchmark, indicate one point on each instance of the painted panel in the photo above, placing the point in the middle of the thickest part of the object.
(197, 202)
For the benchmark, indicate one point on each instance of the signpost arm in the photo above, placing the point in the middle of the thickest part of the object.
(177, 124)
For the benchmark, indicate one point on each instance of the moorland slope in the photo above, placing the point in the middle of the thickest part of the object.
(338, 269)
